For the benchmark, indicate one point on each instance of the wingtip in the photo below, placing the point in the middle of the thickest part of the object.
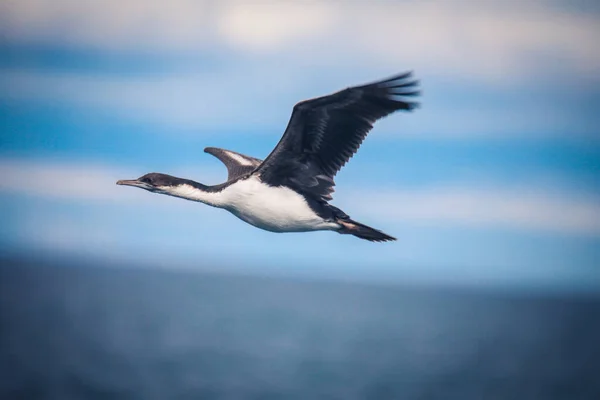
(399, 76)
(413, 105)
(385, 239)
(390, 80)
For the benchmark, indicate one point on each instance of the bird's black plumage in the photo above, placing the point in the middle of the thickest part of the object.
(322, 135)
(325, 132)
(237, 164)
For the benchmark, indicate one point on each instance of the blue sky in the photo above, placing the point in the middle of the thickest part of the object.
(495, 181)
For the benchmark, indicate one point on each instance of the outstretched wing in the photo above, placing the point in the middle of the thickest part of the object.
(237, 164)
(325, 132)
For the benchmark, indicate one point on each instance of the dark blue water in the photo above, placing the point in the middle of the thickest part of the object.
(95, 333)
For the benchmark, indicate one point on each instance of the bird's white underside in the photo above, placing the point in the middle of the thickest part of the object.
(276, 209)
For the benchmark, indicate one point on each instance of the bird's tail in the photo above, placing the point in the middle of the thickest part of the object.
(362, 231)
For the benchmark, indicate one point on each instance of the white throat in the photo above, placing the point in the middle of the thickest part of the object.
(192, 193)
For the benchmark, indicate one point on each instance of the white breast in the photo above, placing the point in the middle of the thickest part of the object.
(277, 209)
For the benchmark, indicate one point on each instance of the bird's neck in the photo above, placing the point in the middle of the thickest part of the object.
(195, 191)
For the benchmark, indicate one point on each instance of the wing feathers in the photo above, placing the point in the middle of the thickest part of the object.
(325, 132)
(237, 164)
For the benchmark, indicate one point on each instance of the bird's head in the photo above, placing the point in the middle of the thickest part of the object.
(152, 182)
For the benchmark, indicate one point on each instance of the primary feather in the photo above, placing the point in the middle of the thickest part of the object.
(325, 132)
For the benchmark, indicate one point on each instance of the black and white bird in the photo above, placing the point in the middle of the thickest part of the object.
(290, 190)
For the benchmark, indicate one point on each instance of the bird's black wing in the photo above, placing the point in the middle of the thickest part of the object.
(237, 164)
(325, 132)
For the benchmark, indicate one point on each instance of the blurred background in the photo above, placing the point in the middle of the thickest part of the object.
(492, 188)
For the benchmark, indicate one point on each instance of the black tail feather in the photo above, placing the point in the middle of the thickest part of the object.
(362, 231)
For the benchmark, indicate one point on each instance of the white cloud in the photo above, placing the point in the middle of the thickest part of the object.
(271, 26)
(182, 101)
(75, 181)
(517, 208)
(111, 24)
(499, 40)
(527, 208)
(281, 52)
(62, 180)
(493, 40)
(261, 99)
(66, 233)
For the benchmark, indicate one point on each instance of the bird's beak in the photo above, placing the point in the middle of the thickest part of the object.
(132, 182)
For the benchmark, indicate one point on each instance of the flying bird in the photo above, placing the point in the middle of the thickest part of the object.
(290, 190)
